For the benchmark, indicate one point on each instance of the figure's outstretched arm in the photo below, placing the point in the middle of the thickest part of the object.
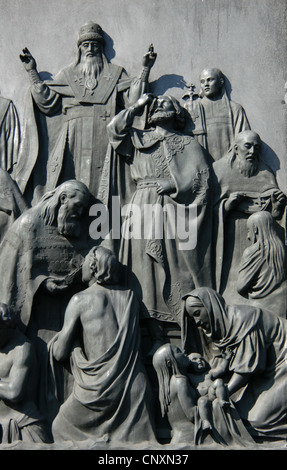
(119, 128)
(148, 62)
(46, 99)
(30, 65)
(237, 381)
(221, 365)
(63, 343)
(140, 85)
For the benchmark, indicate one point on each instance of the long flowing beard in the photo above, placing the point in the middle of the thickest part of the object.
(247, 168)
(91, 67)
(66, 226)
(160, 117)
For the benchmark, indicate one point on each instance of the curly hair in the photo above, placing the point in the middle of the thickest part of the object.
(104, 263)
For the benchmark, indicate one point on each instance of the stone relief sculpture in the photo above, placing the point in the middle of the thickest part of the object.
(209, 385)
(111, 398)
(179, 400)
(243, 185)
(215, 118)
(258, 365)
(40, 257)
(171, 172)
(262, 272)
(12, 202)
(19, 417)
(83, 98)
(9, 135)
(86, 354)
(176, 397)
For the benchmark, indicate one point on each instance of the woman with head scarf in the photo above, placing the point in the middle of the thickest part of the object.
(258, 366)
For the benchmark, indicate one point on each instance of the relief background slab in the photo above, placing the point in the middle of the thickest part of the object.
(246, 39)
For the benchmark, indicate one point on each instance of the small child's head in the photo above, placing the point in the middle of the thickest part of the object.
(197, 363)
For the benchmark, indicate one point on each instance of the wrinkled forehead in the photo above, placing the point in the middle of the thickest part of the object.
(165, 98)
(248, 138)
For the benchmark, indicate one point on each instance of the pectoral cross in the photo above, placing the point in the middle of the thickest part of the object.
(104, 116)
(108, 76)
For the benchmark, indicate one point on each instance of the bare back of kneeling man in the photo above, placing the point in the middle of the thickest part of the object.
(101, 332)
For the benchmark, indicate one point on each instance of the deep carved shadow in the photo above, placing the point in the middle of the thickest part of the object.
(163, 83)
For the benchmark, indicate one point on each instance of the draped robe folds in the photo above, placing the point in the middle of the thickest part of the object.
(216, 122)
(111, 397)
(29, 254)
(12, 203)
(228, 429)
(258, 341)
(67, 138)
(259, 284)
(9, 135)
(25, 425)
(32, 251)
(159, 267)
(230, 230)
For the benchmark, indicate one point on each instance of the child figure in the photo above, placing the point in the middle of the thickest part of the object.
(208, 384)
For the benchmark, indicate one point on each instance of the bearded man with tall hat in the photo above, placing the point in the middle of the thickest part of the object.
(66, 118)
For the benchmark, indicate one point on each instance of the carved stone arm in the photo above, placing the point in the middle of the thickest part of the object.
(30, 66)
(148, 62)
(236, 382)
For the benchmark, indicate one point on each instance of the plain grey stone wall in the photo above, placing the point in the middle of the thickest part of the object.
(246, 39)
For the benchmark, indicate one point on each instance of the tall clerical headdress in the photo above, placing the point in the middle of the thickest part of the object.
(91, 32)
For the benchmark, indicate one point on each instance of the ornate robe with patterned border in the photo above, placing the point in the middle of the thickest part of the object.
(65, 128)
(159, 268)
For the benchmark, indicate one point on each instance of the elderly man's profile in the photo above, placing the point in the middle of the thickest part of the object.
(40, 260)
(243, 184)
